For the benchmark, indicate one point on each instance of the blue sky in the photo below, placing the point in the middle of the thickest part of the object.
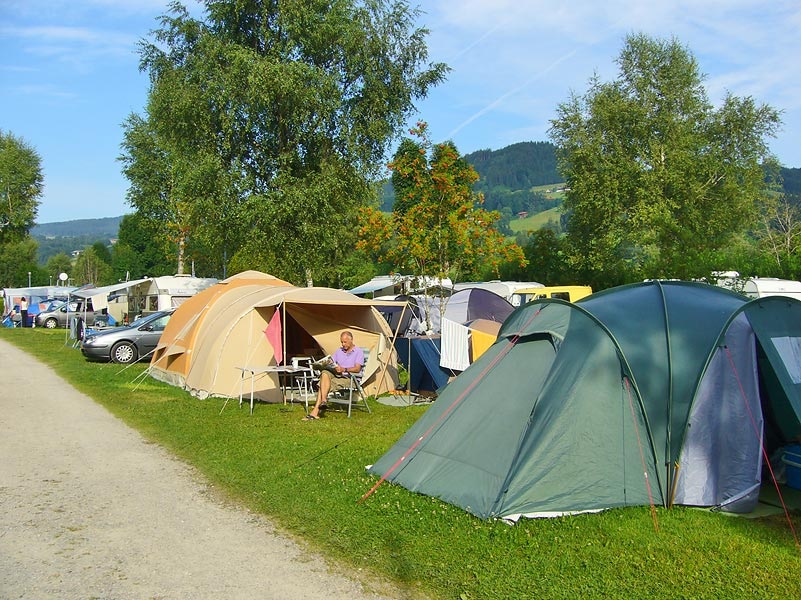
(69, 74)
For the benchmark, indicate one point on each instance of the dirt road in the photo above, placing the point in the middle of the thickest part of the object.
(89, 509)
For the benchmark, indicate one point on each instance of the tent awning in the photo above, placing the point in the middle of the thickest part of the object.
(106, 289)
(372, 286)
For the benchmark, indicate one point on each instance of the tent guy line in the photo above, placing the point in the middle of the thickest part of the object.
(452, 406)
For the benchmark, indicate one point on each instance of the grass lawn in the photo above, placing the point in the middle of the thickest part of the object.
(308, 477)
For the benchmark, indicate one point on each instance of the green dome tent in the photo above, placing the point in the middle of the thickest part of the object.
(663, 392)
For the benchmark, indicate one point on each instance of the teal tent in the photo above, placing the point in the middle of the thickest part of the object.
(662, 393)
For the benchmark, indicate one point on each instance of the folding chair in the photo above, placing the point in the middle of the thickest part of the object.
(353, 395)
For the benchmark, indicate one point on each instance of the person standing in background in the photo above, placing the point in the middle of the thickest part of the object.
(23, 311)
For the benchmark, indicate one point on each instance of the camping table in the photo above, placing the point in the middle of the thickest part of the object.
(254, 371)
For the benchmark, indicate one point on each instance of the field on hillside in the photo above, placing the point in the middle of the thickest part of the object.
(534, 222)
(552, 191)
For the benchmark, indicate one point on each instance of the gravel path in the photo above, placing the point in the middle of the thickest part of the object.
(89, 509)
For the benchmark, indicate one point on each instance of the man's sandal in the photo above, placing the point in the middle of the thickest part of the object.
(310, 418)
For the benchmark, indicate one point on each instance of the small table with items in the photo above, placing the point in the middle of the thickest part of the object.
(284, 372)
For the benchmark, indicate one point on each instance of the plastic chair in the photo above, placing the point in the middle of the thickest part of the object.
(302, 381)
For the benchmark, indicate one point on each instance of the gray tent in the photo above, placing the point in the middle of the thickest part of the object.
(653, 393)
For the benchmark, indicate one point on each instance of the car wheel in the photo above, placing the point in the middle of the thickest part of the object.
(123, 353)
(51, 323)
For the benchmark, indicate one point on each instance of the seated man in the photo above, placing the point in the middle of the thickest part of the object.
(347, 359)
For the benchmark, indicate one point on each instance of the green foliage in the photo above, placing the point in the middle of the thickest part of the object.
(140, 251)
(419, 547)
(779, 238)
(403, 183)
(438, 227)
(57, 264)
(356, 269)
(21, 185)
(65, 237)
(265, 123)
(102, 252)
(50, 247)
(544, 251)
(658, 179)
(17, 259)
(89, 268)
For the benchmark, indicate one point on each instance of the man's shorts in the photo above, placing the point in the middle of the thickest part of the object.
(337, 383)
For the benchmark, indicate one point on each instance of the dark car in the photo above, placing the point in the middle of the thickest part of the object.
(128, 343)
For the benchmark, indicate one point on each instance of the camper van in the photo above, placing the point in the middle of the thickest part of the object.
(759, 287)
(571, 293)
(164, 293)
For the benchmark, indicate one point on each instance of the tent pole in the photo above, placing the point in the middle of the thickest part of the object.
(409, 369)
(283, 332)
(391, 350)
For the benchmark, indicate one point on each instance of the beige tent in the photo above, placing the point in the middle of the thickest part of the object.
(226, 327)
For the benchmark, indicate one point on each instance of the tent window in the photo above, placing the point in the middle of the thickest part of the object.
(789, 349)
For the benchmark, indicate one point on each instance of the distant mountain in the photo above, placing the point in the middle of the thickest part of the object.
(68, 236)
(507, 178)
(791, 179)
(517, 167)
(106, 227)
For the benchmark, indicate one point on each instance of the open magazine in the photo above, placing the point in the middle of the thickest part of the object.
(325, 364)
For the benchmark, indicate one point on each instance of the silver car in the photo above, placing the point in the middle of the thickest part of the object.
(129, 343)
(61, 314)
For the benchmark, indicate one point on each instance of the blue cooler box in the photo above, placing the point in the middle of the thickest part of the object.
(792, 460)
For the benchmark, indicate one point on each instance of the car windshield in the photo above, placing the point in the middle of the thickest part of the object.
(54, 305)
(142, 320)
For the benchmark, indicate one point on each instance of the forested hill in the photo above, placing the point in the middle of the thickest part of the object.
(516, 167)
(791, 181)
(68, 236)
(508, 176)
(99, 228)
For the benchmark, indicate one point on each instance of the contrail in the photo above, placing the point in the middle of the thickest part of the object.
(466, 49)
(511, 92)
